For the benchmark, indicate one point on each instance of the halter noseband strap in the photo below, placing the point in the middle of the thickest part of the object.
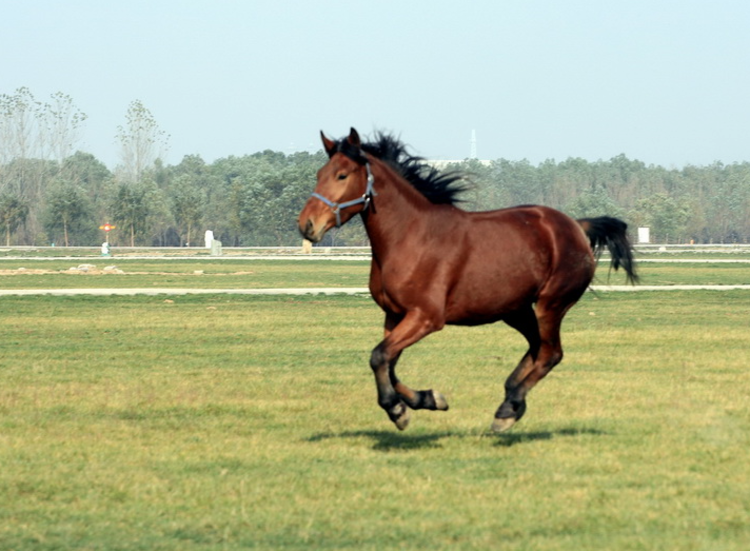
(365, 199)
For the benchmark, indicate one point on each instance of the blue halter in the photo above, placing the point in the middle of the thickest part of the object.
(365, 199)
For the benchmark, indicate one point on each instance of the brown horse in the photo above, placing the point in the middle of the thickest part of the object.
(435, 264)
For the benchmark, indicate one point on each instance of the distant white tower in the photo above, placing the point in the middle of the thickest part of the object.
(473, 154)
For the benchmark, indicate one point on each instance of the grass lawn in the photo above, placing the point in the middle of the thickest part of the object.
(230, 422)
(703, 273)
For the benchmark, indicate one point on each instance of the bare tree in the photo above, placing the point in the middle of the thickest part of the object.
(19, 135)
(141, 140)
(62, 126)
(35, 138)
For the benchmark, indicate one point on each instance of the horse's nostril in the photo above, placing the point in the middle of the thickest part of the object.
(307, 230)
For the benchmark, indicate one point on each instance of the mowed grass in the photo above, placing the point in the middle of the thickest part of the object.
(698, 273)
(216, 422)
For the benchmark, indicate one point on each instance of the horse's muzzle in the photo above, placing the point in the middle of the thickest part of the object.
(310, 232)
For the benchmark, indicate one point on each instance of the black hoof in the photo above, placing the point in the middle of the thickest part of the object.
(433, 400)
(507, 415)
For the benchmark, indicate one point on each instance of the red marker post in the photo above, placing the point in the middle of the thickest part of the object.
(105, 246)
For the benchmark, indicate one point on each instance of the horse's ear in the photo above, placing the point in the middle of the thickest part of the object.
(353, 138)
(329, 145)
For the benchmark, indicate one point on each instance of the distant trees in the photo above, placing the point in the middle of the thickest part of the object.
(49, 192)
(13, 212)
(262, 194)
(142, 142)
(63, 123)
(67, 211)
(667, 216)
(704, 204)
(255, 199)
(35, 137)
(131, 208)
(188, 202)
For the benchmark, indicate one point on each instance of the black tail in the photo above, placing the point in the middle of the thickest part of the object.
(612, 233)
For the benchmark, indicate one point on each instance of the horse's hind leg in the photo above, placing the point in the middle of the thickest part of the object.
(514, 404)
(545, 352)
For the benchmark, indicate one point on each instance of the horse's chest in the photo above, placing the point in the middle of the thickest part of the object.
(387, 300)
(395, 289)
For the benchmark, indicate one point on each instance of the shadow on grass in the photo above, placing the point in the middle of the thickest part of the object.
(507, 440)
(384, 440)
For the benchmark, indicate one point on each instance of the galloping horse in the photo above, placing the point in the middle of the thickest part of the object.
(435, 264)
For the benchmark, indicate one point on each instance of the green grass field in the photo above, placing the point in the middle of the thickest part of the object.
(232, 422)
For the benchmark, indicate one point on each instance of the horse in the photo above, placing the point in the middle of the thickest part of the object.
(434, 263)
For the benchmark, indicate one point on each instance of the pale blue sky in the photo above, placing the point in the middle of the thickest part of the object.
(666, 82)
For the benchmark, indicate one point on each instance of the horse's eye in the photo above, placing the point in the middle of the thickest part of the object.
(342, 176)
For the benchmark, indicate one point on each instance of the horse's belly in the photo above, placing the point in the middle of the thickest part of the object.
(487, 301)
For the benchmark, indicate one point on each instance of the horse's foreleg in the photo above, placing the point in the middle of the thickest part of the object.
(416, 399)
(393, 395)
(388, 398)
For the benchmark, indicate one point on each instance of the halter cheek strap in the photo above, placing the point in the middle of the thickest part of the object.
(364, 200)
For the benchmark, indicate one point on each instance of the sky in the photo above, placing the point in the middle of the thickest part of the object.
(666, 82)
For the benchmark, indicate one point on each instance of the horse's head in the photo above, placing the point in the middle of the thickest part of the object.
(344, 188)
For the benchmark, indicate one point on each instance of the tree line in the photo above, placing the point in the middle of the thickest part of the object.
(50, 192)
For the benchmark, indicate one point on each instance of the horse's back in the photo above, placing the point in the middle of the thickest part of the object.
(506, 259)
(543, 235)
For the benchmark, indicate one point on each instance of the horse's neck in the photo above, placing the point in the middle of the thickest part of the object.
(393, 210)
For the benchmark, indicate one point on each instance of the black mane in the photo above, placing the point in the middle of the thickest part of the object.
(440, 188)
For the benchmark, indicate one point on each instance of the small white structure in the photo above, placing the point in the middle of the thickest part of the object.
(209, 238)
(644, 235)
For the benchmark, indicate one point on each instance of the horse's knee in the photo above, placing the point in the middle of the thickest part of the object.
(378, 358)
